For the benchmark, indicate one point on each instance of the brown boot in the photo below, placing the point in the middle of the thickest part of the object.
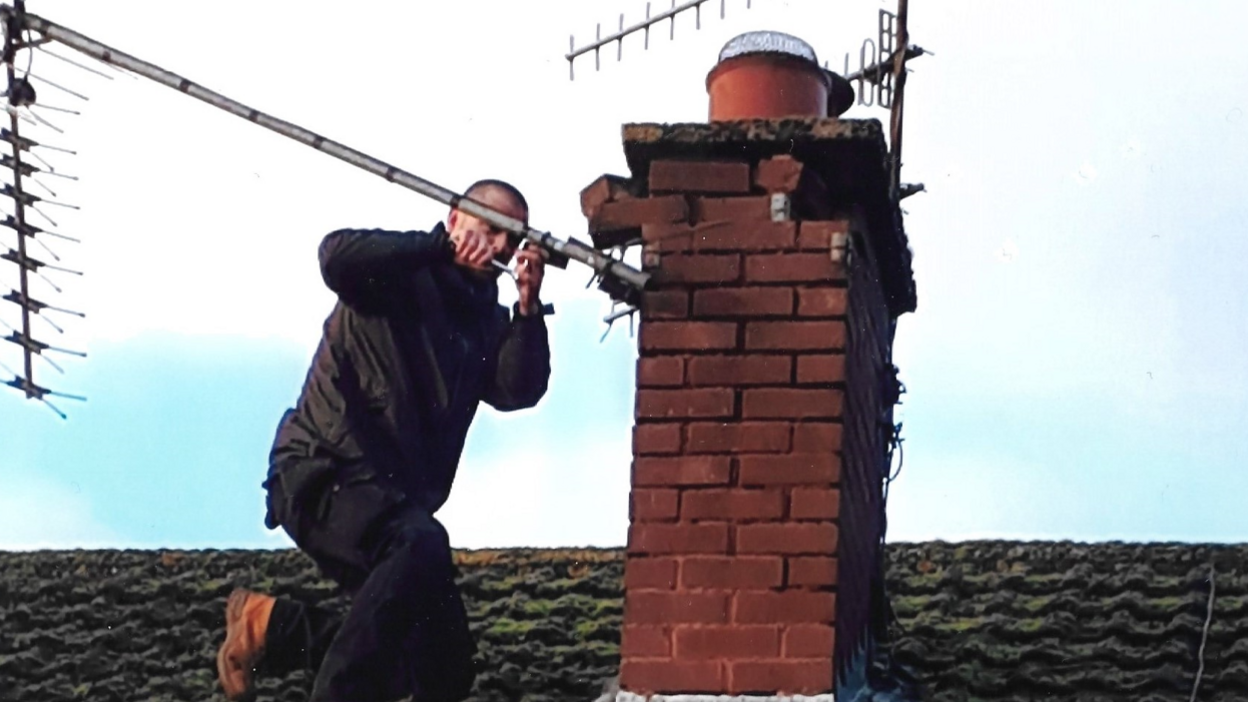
(246, 620)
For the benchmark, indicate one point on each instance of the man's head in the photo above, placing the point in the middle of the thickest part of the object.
(501, 197)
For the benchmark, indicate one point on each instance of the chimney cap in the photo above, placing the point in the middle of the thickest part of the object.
(767, 42)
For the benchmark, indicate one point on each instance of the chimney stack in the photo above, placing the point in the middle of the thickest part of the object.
(764, 383)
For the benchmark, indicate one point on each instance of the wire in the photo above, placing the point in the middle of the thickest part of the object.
(1204, 638)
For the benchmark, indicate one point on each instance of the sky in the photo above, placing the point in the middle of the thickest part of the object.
(1075, 368)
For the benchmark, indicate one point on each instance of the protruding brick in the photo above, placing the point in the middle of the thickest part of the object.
(669, 175)
(786, 677)
(685, 404)
(794, 336)
(732, 573)
(740, 370)
(655, 607)
(822, 302)
(649, 505)
(808, 641)
(732, 505)
(650, 573)
(795, 607)
(730, 641)
(647, 676)
(693, 269)
(812, 571)
(815, 503)
(813, 437)
(742, 437)
(606, 188)
(645, 642)
(665, 304)
(660, 371)
(676, 471)
(817, 235)
(791, 268)
(778, 174)
(785, 403)
(659, 538)
(632, 213)
(789, 469)
(743, 302)
(787, 539)
(821, 368)
(688, 336)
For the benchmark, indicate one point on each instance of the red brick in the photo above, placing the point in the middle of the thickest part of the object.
(631, 213)
(818, 234)
(653, 505)
(681, 470)
(642, 676)
(784, 403)
(665, 304)
(794, 336)
(809, 641)
(823, 368)
(693, 336)
(605, 189)
(712, 642)
(787, 677)
(675, 404)
(732, 573)
(740, 370)
(678, 538)
(645, 642)
(660, 371)
(778, 174)
(747, 437)
(744, 236)
(732, 505)
(655, 607)
(815, 503)
(813, 437)
(650, 573)
(791, 607)
(700, 176)
(791, 268)
(812, 572)
(789, 469)
(692, 269)
(743, 302)
(738, 210)
(822, 302)
(651, 439)
(787, 539)
(673, 237)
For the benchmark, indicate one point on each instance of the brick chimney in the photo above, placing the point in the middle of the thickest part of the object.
(764, 401)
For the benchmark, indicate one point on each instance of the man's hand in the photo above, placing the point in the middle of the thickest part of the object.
(530, 267)
(472, 249)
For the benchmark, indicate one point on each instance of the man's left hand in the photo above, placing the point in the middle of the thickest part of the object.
(530, 267)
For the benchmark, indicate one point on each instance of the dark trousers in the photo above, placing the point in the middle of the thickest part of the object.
(406, 632)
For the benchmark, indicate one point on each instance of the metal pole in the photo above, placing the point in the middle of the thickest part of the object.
(12, 36)
(899, 93)
(602, 264)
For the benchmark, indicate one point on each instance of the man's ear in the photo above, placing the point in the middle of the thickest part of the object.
(452, 219)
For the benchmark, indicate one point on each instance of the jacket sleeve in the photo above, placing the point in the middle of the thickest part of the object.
(370, 266)
(523, 371)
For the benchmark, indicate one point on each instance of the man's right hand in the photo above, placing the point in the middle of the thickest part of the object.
(472, 249)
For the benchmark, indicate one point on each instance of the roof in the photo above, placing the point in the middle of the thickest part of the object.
(982, 621)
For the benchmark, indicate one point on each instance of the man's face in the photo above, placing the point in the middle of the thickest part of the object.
(500, 201)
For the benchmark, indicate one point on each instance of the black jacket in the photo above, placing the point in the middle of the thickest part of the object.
(411, 348)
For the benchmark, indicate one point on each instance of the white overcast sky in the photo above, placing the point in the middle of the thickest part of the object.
(1075, 367)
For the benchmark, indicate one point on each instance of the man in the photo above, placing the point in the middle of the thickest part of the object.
(359, 467)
